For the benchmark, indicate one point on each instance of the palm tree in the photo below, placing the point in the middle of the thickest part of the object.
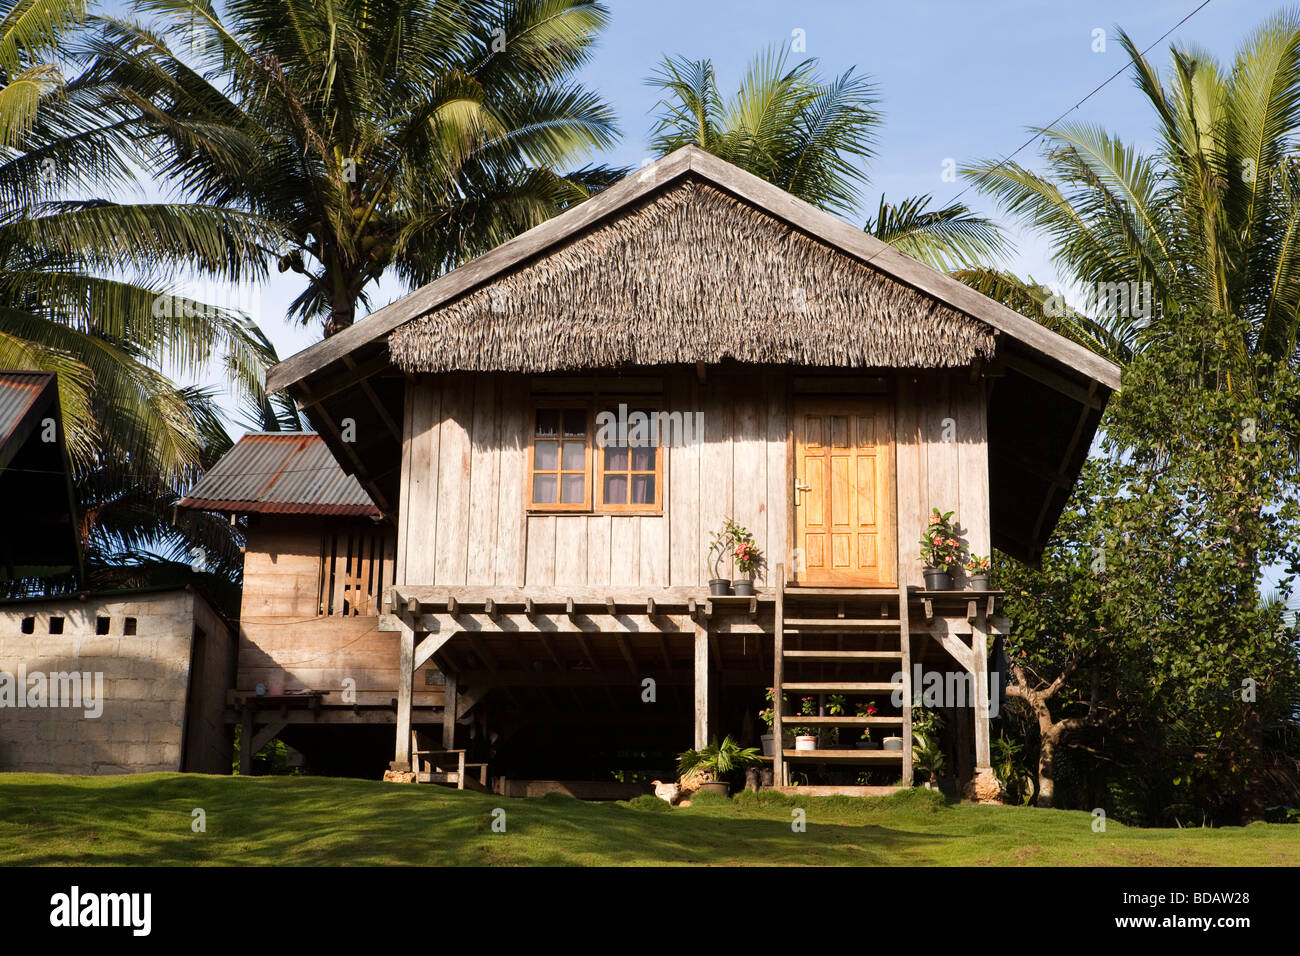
(813, 138)
(84, 287)
(376, 136)
(1209, 220)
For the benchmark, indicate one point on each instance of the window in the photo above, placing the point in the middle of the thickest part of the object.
(560, 458)
(101, 625)
(629, 469)
(29, 625)
(56, 625)
(569, 457)
(128, 627)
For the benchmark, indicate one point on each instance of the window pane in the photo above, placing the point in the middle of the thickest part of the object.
(615, 458)
(544, 489)
(643, 489)
(643, 459)
(575, 456)
(548, 422)
(572, 489)
(575, 422)
(616, 489)
(545, 456)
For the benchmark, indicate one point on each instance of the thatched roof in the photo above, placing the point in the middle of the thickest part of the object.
(690, 275)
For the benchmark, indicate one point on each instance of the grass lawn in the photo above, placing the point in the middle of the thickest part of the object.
(144, 820)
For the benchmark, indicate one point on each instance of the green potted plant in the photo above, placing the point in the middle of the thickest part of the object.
(940, 551)
(768, 716)
(866, 742)
(804, 738)
(705, 769)
(927, 758)
(977, 572)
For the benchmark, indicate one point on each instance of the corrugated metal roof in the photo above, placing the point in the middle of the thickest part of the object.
(280, 473)
(19, 391)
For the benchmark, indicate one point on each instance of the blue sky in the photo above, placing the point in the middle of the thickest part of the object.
(959, 80)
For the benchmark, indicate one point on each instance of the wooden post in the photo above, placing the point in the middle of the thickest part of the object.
(905, 646)
(405, 680)
(980, 675)
(778, 661)
(701, 685)
(449, 714)
(246, 743)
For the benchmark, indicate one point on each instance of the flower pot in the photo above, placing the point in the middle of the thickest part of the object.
(893, 743)
(979, 582)
(936, 580)
(805, 742)
(868, 745)
(744, 587)
(769, 745)
(716, 786)
(719, 587)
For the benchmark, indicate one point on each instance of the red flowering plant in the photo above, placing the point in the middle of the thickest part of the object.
(748, 557)
(940, 548)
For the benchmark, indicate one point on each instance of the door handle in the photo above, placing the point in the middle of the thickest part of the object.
(800, 486)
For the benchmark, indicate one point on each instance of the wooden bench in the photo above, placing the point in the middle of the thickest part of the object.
(440, 762)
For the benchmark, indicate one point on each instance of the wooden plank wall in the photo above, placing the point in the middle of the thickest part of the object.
(283, 641)
(942, 461)
(464, 521)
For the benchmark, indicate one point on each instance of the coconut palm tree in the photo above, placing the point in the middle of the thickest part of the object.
(1208, 220)
(812, 137)
(377, 136)
(85, 284)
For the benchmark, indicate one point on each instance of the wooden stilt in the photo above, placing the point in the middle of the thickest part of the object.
(701, 685)
(449, 714)
(778, 661)
(405, 680)
(246, 743)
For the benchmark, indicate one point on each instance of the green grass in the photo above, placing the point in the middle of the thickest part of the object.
(143, 820)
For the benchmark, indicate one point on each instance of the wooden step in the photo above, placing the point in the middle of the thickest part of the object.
(832, 657)
(846, 756)
(841, 791)
(796, 720)
(814, 625)
(836, 687)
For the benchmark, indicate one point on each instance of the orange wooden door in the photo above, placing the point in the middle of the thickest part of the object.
(844, 493)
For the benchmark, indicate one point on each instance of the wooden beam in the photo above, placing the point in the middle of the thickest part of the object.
(405, 682)
(449, 704)
(268, 733)
(778, 661)
(246, 743)
(428, 647)
(701, 686)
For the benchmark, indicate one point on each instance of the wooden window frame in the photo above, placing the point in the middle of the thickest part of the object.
(557, 507)
(594, 487)
(634, 403)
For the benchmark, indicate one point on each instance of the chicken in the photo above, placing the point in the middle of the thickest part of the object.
(670, 792)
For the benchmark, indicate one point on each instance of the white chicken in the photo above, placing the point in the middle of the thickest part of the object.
(670, 792)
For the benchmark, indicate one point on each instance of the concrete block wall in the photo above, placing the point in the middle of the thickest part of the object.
(144, 679)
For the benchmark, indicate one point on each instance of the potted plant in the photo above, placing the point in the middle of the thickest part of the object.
(927, 758)
(865, 742)
(705, 769)
(748, 560)
(892, 742)
(940, 551)
(804, 737)
(768, 716)
(719, 544)
(977, 572)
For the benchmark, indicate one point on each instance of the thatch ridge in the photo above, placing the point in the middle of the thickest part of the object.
(691, 274)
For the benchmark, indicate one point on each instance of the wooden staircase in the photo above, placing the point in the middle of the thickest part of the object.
(867, 627)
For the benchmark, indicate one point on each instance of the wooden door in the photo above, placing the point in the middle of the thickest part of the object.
(845, 531)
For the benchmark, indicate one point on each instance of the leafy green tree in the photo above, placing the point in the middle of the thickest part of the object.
(813, 137)
(368, 136)
(1207, 221)
(1151, 608)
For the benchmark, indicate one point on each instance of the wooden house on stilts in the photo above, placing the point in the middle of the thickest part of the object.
(818, 387)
